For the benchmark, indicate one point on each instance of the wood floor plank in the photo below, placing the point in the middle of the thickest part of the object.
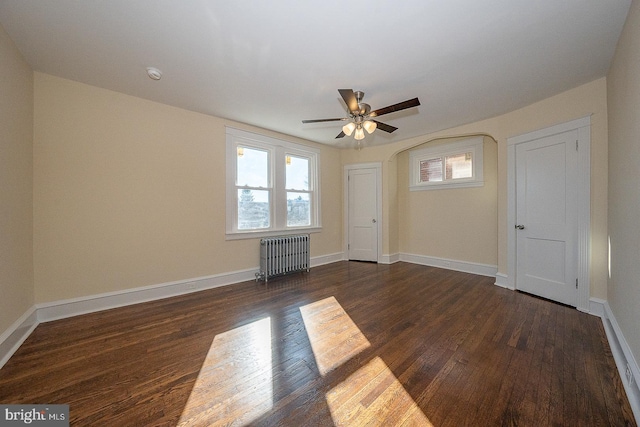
(346, 344)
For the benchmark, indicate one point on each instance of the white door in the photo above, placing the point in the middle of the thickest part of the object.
(546, 217)
(363, 221)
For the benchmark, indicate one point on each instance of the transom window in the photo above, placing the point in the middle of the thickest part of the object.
(457, 164)
(272, 186)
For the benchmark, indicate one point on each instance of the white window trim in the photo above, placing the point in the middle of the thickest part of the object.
(473, 145)
(278, 149)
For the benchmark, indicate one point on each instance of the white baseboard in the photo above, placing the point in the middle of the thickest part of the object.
(17, 333)
(596, 307)
(389, 258)
(502, 280)
(76, 306)
(623, 357)
(73, 307)
(13, 337)
(327, 259)
(449, 264)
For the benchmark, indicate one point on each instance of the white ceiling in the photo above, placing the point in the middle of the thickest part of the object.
(273, 63)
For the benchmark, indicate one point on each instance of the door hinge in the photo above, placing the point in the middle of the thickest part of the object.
(576, 283)
(576, 145)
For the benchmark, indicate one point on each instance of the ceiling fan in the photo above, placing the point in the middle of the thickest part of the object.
(361, 116)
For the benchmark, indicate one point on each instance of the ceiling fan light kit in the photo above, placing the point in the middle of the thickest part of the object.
(348, 128)
(361, 117)
(369, 126)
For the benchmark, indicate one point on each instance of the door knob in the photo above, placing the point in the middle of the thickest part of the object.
(519, 227)
(373, 220)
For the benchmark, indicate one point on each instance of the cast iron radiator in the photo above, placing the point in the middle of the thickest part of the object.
(283, 255)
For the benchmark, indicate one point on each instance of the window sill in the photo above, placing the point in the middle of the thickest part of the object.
(273, 233)
(447, 186)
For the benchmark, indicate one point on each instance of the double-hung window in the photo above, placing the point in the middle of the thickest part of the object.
(272, 186)
(452, 165)
(254, 187)
(298, 190)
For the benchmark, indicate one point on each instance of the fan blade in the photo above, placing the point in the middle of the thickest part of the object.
(385, 127)
(395, 107)
(324, 120)
(340, 135)
(349, 99)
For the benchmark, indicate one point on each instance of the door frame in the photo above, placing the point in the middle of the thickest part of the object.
(583, 126)
(356, 166)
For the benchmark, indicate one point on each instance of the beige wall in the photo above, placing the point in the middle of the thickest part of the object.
(623, 90)
(459, 224)
(129, 193)
(123, 190)
(16, 184)
(589, 99)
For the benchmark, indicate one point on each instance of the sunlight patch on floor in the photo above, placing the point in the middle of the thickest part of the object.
(380, 399)
(334, 337)
(235, 385)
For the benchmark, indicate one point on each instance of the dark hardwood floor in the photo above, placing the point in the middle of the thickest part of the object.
(346, 344)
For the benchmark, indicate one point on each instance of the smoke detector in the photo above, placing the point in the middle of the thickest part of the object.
(154, 73)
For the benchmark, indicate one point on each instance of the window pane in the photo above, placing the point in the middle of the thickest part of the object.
(431, 170)
(459, 166)
(253, 167)
(253, 209)
(297, 173)
(298, 209)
